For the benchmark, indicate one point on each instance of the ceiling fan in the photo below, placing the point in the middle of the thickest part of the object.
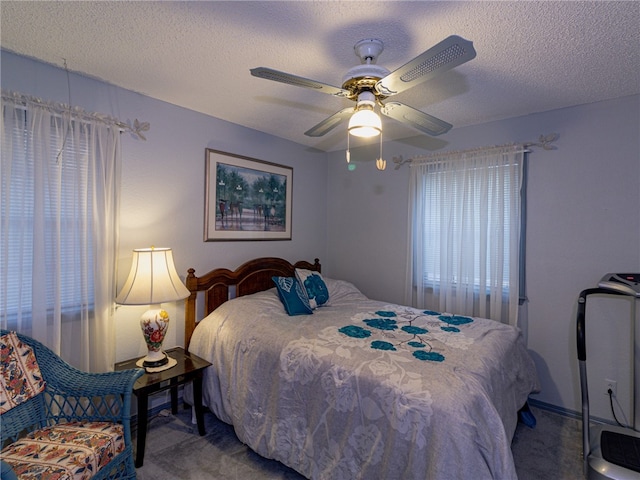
(369, 85)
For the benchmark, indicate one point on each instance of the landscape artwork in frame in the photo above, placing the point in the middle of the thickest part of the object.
(246, 199)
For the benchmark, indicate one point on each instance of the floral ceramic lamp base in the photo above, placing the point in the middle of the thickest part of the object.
(154, 324)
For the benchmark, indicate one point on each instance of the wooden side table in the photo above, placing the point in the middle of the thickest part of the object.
(189, 368)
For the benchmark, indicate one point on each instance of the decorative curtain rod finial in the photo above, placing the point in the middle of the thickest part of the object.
(399, 161)
(545, 142)
(137, 128)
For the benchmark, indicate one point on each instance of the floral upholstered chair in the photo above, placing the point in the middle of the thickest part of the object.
(59, 422)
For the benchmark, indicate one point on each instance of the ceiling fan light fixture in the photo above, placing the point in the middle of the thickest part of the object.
(365, 123)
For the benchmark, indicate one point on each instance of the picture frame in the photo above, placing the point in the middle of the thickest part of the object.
(246, 198)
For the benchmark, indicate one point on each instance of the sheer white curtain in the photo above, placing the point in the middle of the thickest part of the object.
(464, 232)
(59, 229)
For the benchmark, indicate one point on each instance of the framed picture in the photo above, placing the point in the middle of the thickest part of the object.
(246, 199)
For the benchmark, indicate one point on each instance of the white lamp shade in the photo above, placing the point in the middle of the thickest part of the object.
(153, 279)
(365, 123)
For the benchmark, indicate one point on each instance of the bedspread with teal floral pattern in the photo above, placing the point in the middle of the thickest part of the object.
(399, 330)
(367, 390)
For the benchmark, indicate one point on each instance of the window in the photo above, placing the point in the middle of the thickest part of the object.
(58, 228)
(448, 214)
(62, 225)
(465, 233)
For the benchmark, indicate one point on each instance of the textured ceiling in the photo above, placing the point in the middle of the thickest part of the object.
(531, 56)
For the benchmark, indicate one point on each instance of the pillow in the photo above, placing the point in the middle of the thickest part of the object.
(341, 291)
(20, 377)
(314, 287)
(291, 295)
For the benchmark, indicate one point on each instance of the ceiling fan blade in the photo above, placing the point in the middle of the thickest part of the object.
(415, 118)
(329, 123)
(282, 77)
(447, 54)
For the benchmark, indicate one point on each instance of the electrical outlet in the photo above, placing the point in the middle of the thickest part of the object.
(610, 385)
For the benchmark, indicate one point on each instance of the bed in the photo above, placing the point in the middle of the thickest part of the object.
(357, 389)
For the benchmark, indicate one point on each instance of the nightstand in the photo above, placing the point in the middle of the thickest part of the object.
(189, 367)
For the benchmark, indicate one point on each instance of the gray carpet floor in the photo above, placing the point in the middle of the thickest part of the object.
(551, 450)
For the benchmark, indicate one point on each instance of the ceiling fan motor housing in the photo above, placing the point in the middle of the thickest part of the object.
(363, 78)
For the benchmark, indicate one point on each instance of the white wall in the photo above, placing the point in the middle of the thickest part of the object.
(163, 183)
(583, 221)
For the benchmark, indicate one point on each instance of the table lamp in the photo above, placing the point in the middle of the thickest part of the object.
(153, 280)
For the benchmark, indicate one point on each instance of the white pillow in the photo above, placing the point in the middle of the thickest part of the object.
(314, 287)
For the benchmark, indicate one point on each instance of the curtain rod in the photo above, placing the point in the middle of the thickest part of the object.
(544, 141)
(134, 129)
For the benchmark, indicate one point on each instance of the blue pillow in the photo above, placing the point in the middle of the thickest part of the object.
(291, 295)
(314, 287)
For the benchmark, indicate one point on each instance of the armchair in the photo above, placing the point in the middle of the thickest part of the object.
(72, 424)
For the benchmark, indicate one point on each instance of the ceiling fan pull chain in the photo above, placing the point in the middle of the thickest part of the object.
(381, 163)
(348, 153)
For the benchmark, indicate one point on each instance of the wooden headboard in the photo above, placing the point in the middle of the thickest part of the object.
(251, 277)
